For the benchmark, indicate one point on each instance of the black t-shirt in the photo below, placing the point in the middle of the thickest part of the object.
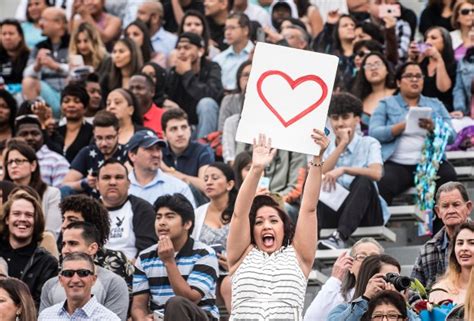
(431, 17)
(12, 70)
(16, 258)
(430, 89)
(217, 34)
(171, 24)
(84, 138)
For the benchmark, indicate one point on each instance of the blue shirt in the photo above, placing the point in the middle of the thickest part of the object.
(191, 160)
(393, 110)
(164, 41)
(91, 311)
(230, 61)
(161, 184)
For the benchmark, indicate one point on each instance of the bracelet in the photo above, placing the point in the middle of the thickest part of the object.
(320, 164)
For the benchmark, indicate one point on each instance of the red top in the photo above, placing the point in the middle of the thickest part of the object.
(152, 119)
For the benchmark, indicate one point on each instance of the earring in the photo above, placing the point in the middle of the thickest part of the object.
(18, 316)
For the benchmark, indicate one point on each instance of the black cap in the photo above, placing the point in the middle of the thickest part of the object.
(192, 38)
(146, 139)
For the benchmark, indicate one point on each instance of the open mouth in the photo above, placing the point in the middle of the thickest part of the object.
(268, 240)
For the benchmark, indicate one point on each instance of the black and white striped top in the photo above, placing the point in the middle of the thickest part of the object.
(267, 287)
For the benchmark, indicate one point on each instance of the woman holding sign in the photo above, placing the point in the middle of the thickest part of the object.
(270, 263)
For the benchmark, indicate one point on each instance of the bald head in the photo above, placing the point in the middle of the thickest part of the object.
(53, 22)
(56, 14)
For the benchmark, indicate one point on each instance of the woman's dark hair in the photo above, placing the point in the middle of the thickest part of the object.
(160, 83)
(401, 69)
(28, 152)
(362, 88)
(371, 45)
(372, 30)
(438, 5)
(179, 204)
(302, 6)
(240, 70)
(19, 293)
(240, 162)
(137, 118)
(337, 48)
(228, 172)
(369, 267)
(206, 34)
(92, 212)
(146, 48)
(23, 48)
(262, 201)
(136, 62)
(12, 104)
(27, 189)
(386, 297)
(28, 17)
(448, 52)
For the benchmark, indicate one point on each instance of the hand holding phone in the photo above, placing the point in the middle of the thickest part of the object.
(391, 10)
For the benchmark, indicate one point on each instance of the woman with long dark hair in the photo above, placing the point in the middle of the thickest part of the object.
(13, 54)
(139, 33)
(437, 13)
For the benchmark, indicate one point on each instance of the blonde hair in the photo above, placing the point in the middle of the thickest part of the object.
(97, 46)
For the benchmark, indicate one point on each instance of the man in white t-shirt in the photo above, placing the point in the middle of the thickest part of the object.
(131, 218)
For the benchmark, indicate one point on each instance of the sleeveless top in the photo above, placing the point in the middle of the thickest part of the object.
(268, 287)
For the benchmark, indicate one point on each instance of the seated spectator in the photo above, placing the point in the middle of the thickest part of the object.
(84, 168)
(337, 38)
(94, 13)
(95, 97)
(436, 13)
(185, 288)
(8, 110)
(174, 12)
(147, 180)
(213, 218)
(159, 76)
(339, 287)
(466, 310)
(13, 54)
(461, 21)
(402, 152)
(86, 42)
(195, 84)
(19, 303)
(23, 169)
(370, 283)
(387, 304)
(76, 133)
(437, 64)
(78, 268)
(374, 81)
(241, 166)
(254, 12)
(453, 208)
(126, 61)
(53, 166)
(354, 162)
(47, 68)
(184, 158)
(124, 105)
(462, 92)
(216, 12)
(152, 14)
(237, 35)
(131, 217)
(31, 25)
(454, 284)
(143, 88)
(139, 33)
(109, 289)
(282, 10)
(364, 47)
(81, 208)
(22, 227)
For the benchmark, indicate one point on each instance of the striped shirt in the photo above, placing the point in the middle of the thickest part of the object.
(53, 166)
(267, 287)
(198, 265)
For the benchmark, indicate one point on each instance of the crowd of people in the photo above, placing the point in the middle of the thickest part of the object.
(125, 195)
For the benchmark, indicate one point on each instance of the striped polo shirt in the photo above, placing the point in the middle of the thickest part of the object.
(198, 265)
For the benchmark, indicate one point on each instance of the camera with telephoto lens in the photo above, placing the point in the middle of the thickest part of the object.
(399, 282)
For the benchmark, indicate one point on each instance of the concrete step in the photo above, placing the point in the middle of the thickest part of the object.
(377, 232)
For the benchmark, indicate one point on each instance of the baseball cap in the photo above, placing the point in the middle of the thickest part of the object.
(192, 38)
(145, 139)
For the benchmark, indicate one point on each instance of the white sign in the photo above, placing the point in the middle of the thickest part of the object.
(287, 95)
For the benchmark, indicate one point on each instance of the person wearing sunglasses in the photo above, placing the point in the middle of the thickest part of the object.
(386, 306)
(462, 21)
(77, 276)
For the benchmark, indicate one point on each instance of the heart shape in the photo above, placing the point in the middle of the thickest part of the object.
(293, 84)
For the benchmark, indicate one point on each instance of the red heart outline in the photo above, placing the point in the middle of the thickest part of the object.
(293, 84)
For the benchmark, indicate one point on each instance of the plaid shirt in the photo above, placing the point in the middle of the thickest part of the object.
(91, 311)
(433, 259)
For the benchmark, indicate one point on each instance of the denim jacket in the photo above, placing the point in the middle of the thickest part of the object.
(462, 89)
(393, 110)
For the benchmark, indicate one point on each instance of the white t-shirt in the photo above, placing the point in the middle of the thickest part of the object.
(122, 236)
(408, 150)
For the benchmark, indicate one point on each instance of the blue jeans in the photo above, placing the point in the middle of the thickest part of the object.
(207, 111)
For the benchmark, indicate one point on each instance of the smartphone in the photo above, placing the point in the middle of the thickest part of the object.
(264, 182)
(219, 248)
(422, 47)
(389, 10)
(158, 316)
(77, 60)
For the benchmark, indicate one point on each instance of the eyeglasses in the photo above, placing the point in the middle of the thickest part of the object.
(17, 162)
(374, 65)
(360, 257)
(82, 273)
(415, 77)
(466, 11)
(390, 317)
(362, 53)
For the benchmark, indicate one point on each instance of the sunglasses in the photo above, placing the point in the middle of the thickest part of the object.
(82, 273)
(466, 11)
(362, 53)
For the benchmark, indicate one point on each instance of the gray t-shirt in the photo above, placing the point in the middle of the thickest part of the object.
(109, 290)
